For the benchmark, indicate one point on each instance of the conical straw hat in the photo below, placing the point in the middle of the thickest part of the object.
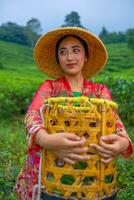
(45, 52)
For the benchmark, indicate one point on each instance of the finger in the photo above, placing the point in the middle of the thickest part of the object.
(75, 143)
(108, 147)
(109, 138)
(100, 149)
(103, 155)
(70, 161)
(73, 137)
(106, 160)
(78, 157)
(80, 150)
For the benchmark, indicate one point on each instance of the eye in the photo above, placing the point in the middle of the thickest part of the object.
(76, 50)
(62, 52)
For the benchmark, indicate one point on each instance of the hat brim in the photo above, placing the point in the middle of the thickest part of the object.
(45, 55)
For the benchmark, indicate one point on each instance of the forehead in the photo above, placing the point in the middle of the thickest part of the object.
(70, 40)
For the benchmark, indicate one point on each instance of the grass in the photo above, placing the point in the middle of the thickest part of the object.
(17, 68)
(13, 154)
(19, 60)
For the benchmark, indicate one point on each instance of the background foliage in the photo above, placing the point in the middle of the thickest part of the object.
(29, 34)
(19, 79)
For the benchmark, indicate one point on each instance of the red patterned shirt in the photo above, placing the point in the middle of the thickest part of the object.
(28, 176)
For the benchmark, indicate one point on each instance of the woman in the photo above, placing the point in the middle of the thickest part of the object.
(70, 55)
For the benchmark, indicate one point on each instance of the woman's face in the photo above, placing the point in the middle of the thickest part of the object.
(71, 55)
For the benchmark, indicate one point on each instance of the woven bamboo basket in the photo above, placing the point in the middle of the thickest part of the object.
(89, 118)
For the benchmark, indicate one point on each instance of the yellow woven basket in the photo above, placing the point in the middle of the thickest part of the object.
(89, 118)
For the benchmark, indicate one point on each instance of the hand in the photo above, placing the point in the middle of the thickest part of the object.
(110, 146)
(67, 146)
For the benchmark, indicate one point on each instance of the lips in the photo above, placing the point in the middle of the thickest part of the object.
(70, 65)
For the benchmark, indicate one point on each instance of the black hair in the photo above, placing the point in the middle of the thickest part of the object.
(83, 42)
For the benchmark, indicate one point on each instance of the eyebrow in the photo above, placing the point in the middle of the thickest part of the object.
(76, 46)
(72, 47)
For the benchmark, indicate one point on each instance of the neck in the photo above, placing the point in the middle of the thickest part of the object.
(76, 82)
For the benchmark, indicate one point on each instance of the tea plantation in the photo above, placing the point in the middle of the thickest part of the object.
(19, 79)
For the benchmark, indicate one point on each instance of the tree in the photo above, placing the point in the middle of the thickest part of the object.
(32, 37)
(112, 37)
(130, 36)
(122, 37)
(33, 30)
(72, 19)
(12, 32)
(103, 33)
(35, 25)
(27, 35)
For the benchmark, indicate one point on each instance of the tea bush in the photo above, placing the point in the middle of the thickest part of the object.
(123, 93)
(19, 79)
(16, 96)
(12, 155)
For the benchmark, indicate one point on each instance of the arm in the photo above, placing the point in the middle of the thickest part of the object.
(117, 144)
(33, 120)
(68, 147)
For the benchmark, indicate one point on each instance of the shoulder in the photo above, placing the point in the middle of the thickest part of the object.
(48, 81)
(99, 90)
(99, 86)
(51, 84)
(44, 84)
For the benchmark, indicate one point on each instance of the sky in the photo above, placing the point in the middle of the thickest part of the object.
(114, 15)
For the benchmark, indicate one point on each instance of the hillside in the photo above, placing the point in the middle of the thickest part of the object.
(120, 59)
(19, 79)
(17, 62)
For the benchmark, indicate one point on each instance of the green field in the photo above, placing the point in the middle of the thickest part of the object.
(17, 60)
(19, 78)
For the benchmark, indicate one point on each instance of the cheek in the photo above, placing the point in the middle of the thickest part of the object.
(61, 60)
(82, 58)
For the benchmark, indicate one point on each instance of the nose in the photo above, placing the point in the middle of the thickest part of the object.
(69, 56)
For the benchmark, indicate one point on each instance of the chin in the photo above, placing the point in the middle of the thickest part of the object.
(72, 73)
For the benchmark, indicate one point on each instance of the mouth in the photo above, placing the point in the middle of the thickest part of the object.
(71, 65)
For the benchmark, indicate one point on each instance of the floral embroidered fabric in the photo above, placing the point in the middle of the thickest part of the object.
(28, 176)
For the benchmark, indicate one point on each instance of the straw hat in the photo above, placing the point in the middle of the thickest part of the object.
(45, 55)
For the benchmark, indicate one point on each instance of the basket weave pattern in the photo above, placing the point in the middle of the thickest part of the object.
(89, 118)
